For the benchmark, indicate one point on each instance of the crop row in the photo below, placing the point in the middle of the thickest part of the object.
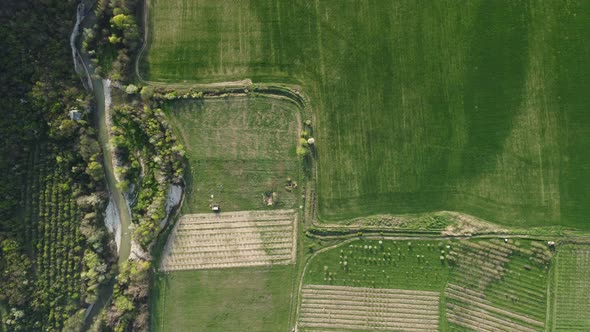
(340, 325)
(478, 321)
(227, 253)
(213, 243)
(238, 216)
(362, 308)
(232, 239)
(573, 289)
(251, 261)
(242, 245)
(234, 231)
(217, 220)
(27, 231)
(367, 291)
(234, 225)
(470, 302)
(58, 250)
(501, 273)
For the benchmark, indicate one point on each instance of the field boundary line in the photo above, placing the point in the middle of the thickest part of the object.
(294, 246)
(555, 290)
(551, 300)
(145, 38)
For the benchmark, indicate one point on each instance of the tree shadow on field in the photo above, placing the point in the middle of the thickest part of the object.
(181, 105)
(189, 183)
(495, 82)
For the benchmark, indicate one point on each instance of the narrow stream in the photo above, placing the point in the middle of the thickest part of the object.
(119, 219)
(102, 96)
(118, 214)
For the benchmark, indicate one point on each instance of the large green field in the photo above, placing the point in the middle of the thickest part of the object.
(238, 149)
(479, 106)
(239, 299)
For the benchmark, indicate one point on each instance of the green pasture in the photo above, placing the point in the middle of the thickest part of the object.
(479, 107)
(412, 265)
(238, 149)
(237, 299)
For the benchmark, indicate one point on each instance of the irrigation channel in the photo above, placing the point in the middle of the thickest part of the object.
(118, 214)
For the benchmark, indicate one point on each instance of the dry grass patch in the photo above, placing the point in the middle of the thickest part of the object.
(232, 239)
(362, 308)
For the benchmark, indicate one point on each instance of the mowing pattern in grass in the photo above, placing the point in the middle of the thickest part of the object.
(375, 309)
(252, 238)
(477, 106)
(573, 289)
(496, 285)
(238, 149)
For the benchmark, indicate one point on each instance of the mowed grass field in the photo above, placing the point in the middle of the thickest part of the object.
(238, 149)
(239, 299)
(572, 289)
(479, 107)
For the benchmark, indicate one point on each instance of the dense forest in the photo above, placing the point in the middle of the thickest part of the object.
(54, 249)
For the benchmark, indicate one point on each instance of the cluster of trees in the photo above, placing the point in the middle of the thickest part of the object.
(49, 178)
(16, 276)
(60, 225)
(58, 252)
(149, 159)
(162, 94)
(306, 148)
(62, 285)
(114, 38)
(129, 308)
(152, 160)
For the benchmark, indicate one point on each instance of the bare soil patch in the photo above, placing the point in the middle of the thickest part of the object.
(232, 239)
(363, 308)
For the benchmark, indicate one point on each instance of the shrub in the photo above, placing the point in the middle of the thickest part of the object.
(131, 89)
